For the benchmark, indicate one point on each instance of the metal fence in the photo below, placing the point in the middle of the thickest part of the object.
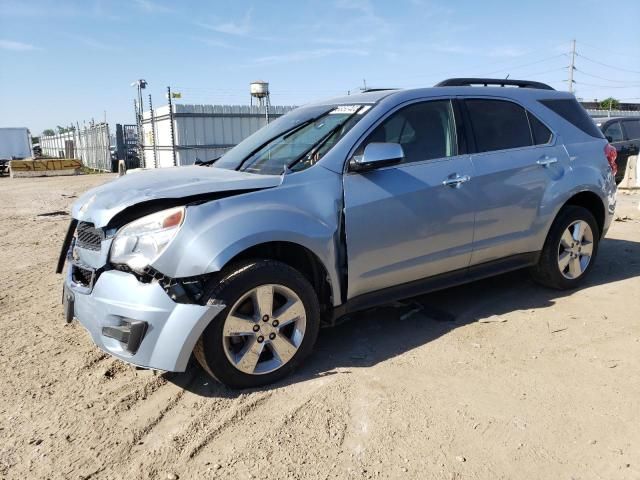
(598, 113)
(89, 144)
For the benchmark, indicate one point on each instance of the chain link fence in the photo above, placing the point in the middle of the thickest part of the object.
(88, 144)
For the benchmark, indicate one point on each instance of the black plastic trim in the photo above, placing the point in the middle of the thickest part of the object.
(130, 334)
(436, 282)
(66, 243)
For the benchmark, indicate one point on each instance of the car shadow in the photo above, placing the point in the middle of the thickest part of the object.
(376, 335)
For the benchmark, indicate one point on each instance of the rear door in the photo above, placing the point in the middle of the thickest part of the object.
(515, 162)
(402, 222)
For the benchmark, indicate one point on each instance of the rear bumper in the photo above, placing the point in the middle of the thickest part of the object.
(118, 301)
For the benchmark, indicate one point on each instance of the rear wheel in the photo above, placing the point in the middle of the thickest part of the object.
(570, 249)
(270, 323)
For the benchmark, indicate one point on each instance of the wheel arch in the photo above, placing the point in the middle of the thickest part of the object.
(297, 256)
(592, 202)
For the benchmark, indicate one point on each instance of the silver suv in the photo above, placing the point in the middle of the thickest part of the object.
(336, 207)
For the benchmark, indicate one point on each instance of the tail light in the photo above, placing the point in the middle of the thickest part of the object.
(612, 154)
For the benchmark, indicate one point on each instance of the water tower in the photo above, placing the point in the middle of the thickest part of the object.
(260, 90)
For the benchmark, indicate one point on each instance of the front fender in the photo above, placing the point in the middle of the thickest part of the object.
(304, 212)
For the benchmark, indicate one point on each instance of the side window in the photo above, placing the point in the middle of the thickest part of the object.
(425, 130)
(541, 134)
(498, 124)
(632, 128)
(613, 132)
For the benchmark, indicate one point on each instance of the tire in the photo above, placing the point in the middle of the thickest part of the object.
(579, 256)
(246, 332)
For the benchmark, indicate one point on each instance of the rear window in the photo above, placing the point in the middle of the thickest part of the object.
(572, 112)
(613, 132)
(498, 124)
(632, 127)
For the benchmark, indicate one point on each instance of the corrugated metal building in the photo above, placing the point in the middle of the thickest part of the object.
(200, 131)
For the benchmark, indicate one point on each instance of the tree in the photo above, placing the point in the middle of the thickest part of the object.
(610, 103)
(48, 132)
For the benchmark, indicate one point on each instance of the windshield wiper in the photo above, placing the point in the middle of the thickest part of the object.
(284, 136)
(207, 163)
(320, 143)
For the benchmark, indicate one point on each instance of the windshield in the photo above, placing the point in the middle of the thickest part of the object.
(296, 140)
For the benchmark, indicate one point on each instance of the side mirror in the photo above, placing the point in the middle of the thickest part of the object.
(377, 155)
(609, 139)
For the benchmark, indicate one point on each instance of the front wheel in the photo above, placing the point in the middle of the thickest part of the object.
(270, 323)
(570, 249)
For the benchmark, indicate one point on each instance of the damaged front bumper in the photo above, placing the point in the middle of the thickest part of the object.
(137, 322)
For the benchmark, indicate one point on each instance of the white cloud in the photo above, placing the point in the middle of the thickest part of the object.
(89, 42)
(240, 28)
(506, 52)
(303, 55)
(212, 42)
(363, 6)
(498, 52)
(16, 46)
(152, 7)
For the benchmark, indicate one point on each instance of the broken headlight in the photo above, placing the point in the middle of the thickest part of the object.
(140, 242)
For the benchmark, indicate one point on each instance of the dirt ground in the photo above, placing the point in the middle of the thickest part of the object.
(520, 383)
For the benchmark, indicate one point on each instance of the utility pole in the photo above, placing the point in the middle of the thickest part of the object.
(572, 67)
(153, 133)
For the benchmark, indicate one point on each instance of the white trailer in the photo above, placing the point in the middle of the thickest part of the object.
(15, 143)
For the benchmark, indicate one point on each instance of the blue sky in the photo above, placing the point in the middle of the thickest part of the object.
(67, 61)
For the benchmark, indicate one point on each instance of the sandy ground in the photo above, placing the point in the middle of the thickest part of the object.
(524, 383)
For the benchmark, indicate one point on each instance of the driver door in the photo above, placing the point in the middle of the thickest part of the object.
(402, 222)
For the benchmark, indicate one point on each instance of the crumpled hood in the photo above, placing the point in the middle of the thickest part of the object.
(101, 204)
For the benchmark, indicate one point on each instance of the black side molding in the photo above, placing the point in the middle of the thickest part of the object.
(437, 282)
(65, 245)
(498, 82)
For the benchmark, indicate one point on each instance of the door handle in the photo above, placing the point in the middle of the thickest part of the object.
(546, 161)
(456, 181)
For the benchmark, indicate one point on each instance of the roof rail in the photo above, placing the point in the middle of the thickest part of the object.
(468, 82)
(367, 90)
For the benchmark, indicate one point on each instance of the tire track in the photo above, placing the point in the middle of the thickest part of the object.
(287, 403)
(229, 421)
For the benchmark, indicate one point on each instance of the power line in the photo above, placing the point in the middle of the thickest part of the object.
(525, 64)
(606, 86)
(604, 50)
(607, 79)
(607, 65)
(543, 72)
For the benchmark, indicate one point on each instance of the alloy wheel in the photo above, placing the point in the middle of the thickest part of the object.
(264, 329)
(575, 249)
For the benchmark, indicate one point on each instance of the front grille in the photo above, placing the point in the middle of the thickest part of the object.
(88, 237)
(81, 276)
